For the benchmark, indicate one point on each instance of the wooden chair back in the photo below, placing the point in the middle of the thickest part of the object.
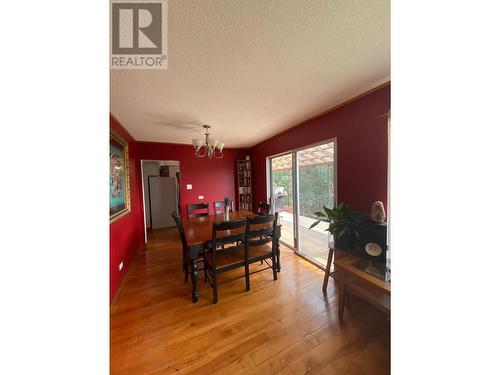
(263, 208)
(178, 223)
(196, 207)
(231, 233)
(261, 230)
(219, 207)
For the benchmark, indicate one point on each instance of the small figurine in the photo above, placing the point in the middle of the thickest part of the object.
(377, 213)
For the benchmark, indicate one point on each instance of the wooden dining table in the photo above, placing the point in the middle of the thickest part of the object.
(198, 231)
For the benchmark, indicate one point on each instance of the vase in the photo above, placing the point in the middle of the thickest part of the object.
(226, 213)
(377, 213)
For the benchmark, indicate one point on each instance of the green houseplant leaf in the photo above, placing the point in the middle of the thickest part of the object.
(343, 221)
(314, 224)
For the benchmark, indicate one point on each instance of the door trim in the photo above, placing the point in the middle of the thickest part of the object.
(296, 193)
(143, 190)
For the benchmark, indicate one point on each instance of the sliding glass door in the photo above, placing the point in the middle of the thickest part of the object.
(301, 183)
(281, 191)
(316, 189)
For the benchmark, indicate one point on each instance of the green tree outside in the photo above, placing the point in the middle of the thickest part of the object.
(316, 187)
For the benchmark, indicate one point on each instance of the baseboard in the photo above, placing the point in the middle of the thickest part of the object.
(118, 291)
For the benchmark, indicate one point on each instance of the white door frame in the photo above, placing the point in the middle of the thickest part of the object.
(144, 192)
(296, 245)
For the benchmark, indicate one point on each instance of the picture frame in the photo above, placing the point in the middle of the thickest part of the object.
(119, 180)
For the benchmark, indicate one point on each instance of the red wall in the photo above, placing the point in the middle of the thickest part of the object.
(362, 149)
(361, 168)
(126, 235)
(212, 178)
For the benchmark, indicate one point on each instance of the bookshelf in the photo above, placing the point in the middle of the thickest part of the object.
(244, 184)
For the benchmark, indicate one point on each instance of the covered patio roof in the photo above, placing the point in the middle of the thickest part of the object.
(317, 155)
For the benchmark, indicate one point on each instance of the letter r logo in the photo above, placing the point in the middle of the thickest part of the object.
(136, 28)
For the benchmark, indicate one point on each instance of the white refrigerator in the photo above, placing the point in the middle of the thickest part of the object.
(163, 200)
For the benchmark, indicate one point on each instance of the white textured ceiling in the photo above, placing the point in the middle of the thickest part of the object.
(252, 68)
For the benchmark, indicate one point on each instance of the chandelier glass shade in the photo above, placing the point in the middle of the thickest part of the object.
(212, 147)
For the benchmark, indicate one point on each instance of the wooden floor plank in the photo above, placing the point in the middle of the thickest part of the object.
(286, 326)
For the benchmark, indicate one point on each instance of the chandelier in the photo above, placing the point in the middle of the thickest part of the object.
(211, 146)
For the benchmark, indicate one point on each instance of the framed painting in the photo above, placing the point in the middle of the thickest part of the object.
(119, 183)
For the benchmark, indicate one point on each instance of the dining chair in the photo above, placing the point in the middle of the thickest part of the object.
(263, 208)
(261, 241)
(219, 257)
(185, 249)
(196, 207)
(219, 207)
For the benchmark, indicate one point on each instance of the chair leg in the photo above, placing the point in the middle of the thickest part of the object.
(205, 269)
(275, 274)
(247, 276)
(185, 260)
(186, 271)
(214, 286)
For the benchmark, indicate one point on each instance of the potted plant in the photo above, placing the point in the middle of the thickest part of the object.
(344, 224)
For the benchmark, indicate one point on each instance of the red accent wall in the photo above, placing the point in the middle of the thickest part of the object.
(215, 179)
(212, 178)
(126, 235)
(362, 149)
(361, 168)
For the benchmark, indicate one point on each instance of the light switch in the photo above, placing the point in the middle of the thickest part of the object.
(200, 197)
(189, 187)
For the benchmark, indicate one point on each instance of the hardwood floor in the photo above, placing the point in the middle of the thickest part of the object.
(279, 327)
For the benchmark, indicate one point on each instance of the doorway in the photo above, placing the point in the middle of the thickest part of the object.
(161, 193)
(301, 182)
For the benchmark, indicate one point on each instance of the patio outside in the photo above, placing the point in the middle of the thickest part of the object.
(316, 189)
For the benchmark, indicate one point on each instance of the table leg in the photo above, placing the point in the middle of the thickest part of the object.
(278, 263)
(327, 271)
(194, 279)
(193, 257)
(278, 236)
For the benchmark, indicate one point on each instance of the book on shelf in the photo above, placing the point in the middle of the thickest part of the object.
(245, 184)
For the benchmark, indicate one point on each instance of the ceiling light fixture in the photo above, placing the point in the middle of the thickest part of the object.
(211, 146)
